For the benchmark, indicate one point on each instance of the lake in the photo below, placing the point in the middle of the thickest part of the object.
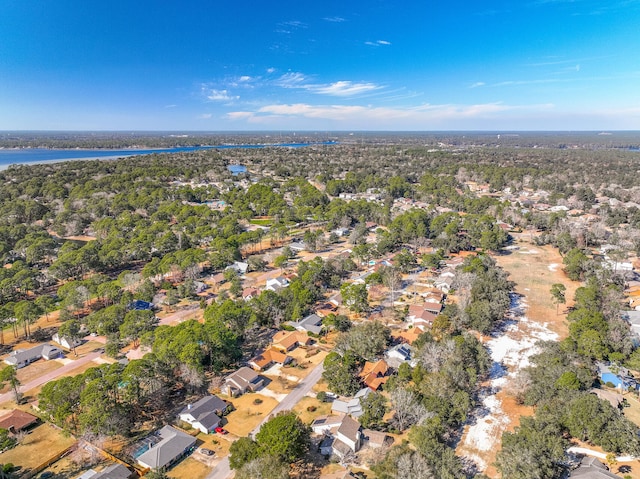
(44, 155)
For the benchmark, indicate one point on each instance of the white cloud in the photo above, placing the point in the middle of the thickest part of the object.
(334, 19)
(204, 116)
(170, 106)
(422, 116)
(378, 43)
(219, 95)
(271, 70)
(477, 84)
(291, 80)
(343, 88)
(244, 78)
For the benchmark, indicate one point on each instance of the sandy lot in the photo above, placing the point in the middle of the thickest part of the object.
(532, 318)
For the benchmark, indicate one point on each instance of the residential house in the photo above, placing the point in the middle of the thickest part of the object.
(340, 232)
(400, 352)
(204, 414)
(22, 357)
(420, 317)
(65, 342)
(592, 468)
(408, 335)
(326, 424)
(351, 406)
(433, 307)
(348, 438)
(17, 421)
(336, 300)
(173, 445)
(286, 341)
(239, 266)
(262, 361)
(310, 324)
(139, 305)
(241, 381)
(375, 439)
(114, 471)
(615, 399)
(276, 284)
(249, 293)
(443, 283)
(374, 375)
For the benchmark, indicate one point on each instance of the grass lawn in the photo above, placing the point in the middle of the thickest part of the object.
(189, 468)
(247, 414)
(306, 416)
(44, 442)
(261, 222)
(280, 385)
(217, 443)
(35, 370)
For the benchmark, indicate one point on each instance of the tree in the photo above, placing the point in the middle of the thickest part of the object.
(355, 296)
(366, 340)
(392, 279)
(558, 291)
(136, 323)
(243, 451)
(70, 330)
(533, 451)
(264, 467)
(340, 372)
(408, 410)
(374, 407)
(284, 436)
(9, 375)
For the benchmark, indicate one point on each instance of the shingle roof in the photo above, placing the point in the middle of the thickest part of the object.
(349, 428)
(17, 420)
(173, 444)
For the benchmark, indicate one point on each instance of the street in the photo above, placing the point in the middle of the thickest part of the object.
(51, 376)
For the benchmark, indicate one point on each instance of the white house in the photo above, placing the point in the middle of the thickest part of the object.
(65, 342)
(276, 284)
(204, 414)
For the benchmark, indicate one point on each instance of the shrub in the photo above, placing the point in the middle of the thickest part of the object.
(257, 401)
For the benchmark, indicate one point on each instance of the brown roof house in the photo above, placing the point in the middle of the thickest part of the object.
(375, 375)
(17, 420)
(286, 341)
(268, 357)
(241, 381)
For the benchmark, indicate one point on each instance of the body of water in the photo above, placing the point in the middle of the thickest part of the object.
(43, 155)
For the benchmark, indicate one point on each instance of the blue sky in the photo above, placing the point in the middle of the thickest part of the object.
(301, 65)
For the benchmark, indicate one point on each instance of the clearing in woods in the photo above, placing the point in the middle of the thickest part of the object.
(532, 317)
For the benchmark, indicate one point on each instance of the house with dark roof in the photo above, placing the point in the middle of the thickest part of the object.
(592, 468)
(114, 471)
(173, 445)
(204, 414)
(139, 305)
(241, 381)
(17, 421)
(309, 324)
(276, 284)
(23, 357)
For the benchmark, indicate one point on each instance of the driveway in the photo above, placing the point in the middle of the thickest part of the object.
(222, 470)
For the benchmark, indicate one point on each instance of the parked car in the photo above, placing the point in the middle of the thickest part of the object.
(219, 430)
(207, 452)
(46, 475)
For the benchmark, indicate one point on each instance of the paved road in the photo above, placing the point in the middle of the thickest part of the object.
(599, 455)
(222, 470)
(51, 376)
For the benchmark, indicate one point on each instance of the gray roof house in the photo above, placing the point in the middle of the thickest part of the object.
(241, 381)
(592, 468)
(310, 324)
(204, 414)
(348, 434)
(351, 406)
(174, 444)
(22, 357)
(240, 266)
(114, 471)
